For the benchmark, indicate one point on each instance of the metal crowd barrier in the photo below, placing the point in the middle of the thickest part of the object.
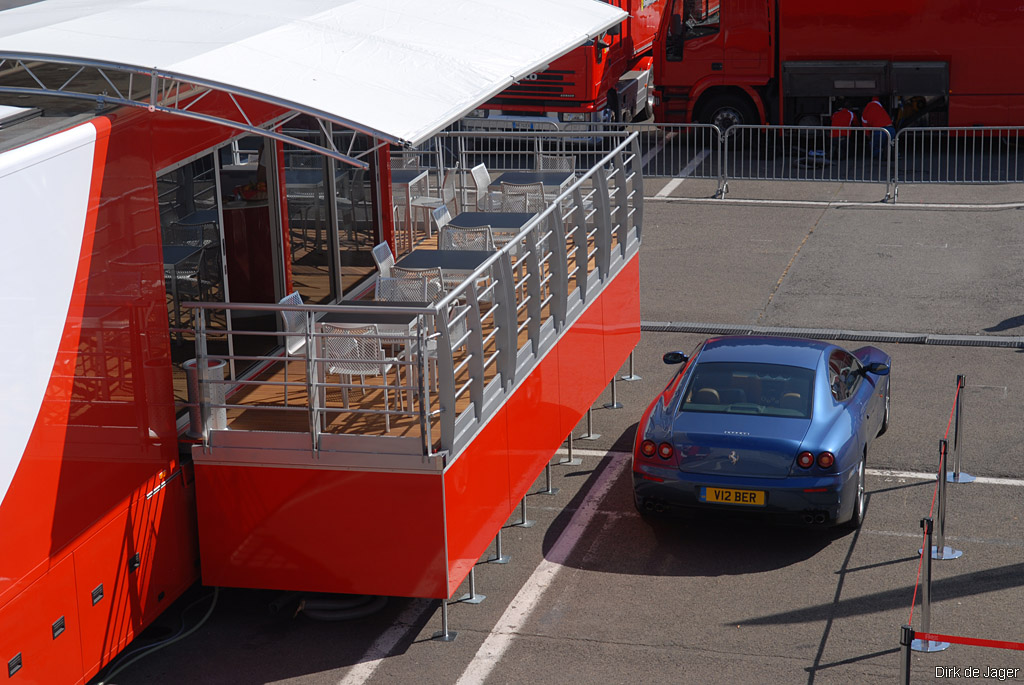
(946, 155)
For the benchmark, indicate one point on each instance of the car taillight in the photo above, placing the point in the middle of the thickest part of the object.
(826, 459)
(665, 450)
(805, 460)
(648, 448)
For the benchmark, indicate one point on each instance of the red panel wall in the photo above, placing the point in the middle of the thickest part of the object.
(476, 497)
(534, 422)
(321, 530)
(620, 306)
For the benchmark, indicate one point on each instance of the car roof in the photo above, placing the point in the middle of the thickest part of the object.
(757, 348)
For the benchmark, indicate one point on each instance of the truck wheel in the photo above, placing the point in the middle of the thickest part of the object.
(725, 111)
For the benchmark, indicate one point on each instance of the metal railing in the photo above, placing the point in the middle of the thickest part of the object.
(486, 334)
(964, 155)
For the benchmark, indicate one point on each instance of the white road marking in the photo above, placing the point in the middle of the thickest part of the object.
(841, 203)
(520, 608)
(687, 170)
(385, 644)
(915, 475)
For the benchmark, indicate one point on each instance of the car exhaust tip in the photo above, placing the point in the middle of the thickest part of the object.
(808, 518)
(819, 518)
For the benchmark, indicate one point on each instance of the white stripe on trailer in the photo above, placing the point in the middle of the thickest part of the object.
(44, 193)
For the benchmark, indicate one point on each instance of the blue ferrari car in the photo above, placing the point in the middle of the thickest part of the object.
(778, 427)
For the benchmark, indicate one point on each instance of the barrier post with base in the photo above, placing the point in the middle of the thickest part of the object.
(926, 601)
(498, 557)
(906, 639)
(590, 434)
(444, 635)
(614, 404)
(956, 475)
(941, 551)
(472, 597)
(547, 477)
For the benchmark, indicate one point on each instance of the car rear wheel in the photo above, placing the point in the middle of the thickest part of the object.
(860, 497)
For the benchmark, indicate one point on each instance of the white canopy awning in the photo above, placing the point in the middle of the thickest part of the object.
(400, 69)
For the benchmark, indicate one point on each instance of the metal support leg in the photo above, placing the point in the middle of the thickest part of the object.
(614, 404)
(590, 434)
(471, 597)
(444, 635)
(547, 477)
(499, 558)
(631, 376)
(523, 523)
(570, 460)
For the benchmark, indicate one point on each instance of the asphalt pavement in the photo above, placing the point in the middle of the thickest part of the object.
(595, 594)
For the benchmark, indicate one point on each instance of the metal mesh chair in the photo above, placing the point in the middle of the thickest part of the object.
(466, 238)
(357, 351)
(439, 218)
(522, 197)
(432, 276)
(294, 327)
(448, 198)
(383, 258)
(556, 163)
(485, 198)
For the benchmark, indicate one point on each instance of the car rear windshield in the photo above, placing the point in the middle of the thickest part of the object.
(750, 388)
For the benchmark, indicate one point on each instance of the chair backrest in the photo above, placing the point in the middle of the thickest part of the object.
(482, 181)
(555, 162)
(293, 323)
(433, 276)
(440, 217)
(466, 238)
(383, 258)
(522, 197)
(352, 350)
(448, 187)
(392, 289)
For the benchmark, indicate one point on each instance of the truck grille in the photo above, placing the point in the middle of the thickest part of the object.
(548, 84)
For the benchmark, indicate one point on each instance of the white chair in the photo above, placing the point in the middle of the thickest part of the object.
(439, 218)
(384, 259)
(466, 238)
(486, 199)
(294, 327)
(522, 197)
(448, 198)
(434, 277)
(556, 163)
(357, 351)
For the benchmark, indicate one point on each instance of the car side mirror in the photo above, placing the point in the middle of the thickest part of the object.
(674, 358)
(878, 368)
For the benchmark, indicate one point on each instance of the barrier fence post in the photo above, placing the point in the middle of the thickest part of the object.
(547, 478)
(472, 597)
(940, 550)
(498, 557)
(926, 600)
(957, 476)
(444, 635)
(614, 404)
(906, 639)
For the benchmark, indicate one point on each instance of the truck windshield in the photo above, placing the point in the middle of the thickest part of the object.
(689, 19)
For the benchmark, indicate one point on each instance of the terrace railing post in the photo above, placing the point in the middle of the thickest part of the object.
(926, 603)
(958, 476)
(941, 551)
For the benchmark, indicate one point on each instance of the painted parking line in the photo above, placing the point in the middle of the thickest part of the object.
(681, 176)
(386, 643)
(520, 608)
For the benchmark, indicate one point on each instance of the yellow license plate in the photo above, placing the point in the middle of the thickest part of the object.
(730, 496)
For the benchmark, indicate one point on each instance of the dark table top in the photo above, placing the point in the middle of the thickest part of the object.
(453, 260)
(406, 175)
(176, 254)
(199, 217)
(505, 221)
(555, 179)
(368, 318)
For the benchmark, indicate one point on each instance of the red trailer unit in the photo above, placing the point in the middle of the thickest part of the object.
(940, 63)
(608, 79)
(135, 198)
